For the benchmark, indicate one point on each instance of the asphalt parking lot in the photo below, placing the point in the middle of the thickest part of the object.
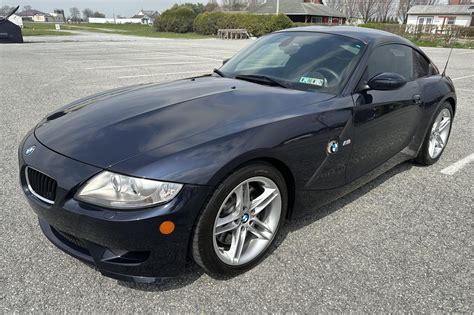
(404, 242)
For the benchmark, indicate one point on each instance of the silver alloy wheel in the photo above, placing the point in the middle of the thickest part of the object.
(247, 221)
(439, 133)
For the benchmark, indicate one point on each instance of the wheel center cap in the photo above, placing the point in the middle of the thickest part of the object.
(245, 218)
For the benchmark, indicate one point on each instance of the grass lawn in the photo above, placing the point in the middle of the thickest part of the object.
(31, 29)
(41, 29)
(122, 29)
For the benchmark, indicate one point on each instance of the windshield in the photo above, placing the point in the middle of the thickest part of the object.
(300, 60)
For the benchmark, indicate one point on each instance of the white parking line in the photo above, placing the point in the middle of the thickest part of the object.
(455, 167)
(142, 59)
(464, 52)
(460, 78)
(181, 55)
(464, 90)
(145, 65)
(163, 74)
(88, 61)
(177, 56)
(167, 56)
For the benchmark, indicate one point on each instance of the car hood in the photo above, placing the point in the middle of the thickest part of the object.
(110, 127)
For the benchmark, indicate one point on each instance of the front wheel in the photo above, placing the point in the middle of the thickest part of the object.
(241, 220)
(437, 136)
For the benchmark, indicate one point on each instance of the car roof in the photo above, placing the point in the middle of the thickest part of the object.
(366, 35)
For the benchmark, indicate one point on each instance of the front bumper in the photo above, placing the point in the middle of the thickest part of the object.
(126, 245)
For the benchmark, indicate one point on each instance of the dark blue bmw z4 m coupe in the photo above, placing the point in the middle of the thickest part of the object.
(139, 180)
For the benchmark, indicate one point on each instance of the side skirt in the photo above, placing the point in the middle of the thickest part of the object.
(309, 202)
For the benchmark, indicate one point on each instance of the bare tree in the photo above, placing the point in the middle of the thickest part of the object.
(367, 9)
(75, 14)
(5, 10)
(252, 4)
(403, 8)
(385, 8)
(211, 6)
(234, 5)
(347, 7)
(382, 9)
(26, 7)
(98, 14)
(87, 13)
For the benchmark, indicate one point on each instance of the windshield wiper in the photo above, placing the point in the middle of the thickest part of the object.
(219, 72)
(261, 79)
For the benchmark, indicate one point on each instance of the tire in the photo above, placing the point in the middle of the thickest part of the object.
(218, 255)
(427, 156)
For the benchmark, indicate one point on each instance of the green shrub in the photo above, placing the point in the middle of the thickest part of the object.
(209, 23)
(177, 19)
(281, 21)
(206, 23)
(377, 26)
(398, 29)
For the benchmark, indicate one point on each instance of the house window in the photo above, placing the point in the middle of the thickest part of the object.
(316, 19)
(451, 20)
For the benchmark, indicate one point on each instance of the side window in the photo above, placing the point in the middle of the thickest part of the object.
(421, 66)
(391, 58)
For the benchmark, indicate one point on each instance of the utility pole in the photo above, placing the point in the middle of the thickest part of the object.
(278, 7)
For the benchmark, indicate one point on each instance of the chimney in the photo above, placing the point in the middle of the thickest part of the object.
(454, 2)
(313, 1)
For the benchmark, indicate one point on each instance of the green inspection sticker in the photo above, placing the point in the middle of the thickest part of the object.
(312, 81)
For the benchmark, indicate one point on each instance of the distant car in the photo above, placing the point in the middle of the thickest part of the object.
(139, 179)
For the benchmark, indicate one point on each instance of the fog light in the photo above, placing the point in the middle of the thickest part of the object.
(167, 227)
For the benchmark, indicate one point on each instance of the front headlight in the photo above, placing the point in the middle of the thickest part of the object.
(117, 191)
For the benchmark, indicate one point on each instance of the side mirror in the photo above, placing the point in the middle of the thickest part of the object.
(225, 61)
(386, 81)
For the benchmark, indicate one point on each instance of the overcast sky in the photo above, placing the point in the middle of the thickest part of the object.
(109, 7)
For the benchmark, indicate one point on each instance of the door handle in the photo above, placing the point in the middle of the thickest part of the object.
(417, 99)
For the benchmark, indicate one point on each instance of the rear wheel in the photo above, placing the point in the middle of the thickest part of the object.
(241, 220)
(437, 137)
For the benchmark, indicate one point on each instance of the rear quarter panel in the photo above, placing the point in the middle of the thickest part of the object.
(435, 90)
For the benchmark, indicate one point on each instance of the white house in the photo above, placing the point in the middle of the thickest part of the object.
(58, 17)
(146, 16)
(35, 16)
(426, 17)
(143, 17)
